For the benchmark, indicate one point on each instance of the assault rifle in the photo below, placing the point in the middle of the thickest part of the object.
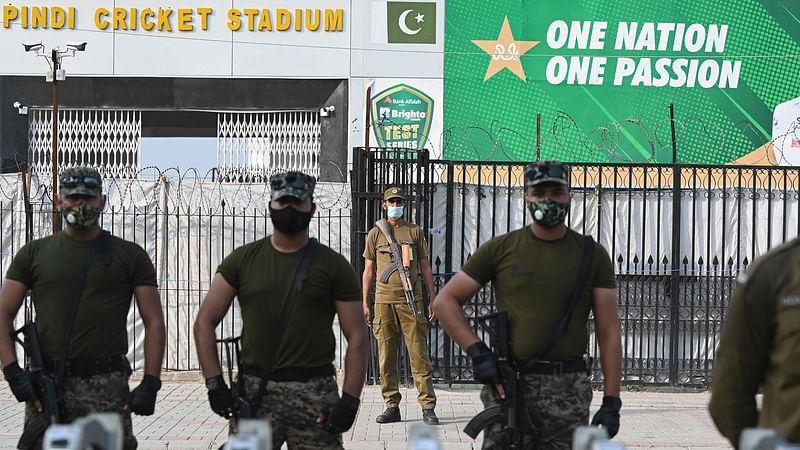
(509, 413)
(241, 407)
(45, 384)
(398, 264)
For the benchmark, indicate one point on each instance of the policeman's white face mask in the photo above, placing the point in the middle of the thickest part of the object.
(394, 212)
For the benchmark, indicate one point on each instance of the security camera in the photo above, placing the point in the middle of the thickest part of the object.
(325, 111)
(21, 109)
(33, 47)
(77, 46)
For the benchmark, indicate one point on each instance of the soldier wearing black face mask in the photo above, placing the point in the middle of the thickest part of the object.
(533, 272)
(288, 379)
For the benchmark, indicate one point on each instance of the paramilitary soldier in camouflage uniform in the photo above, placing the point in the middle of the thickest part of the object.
(392, 315)
(533, 271)
(760, 349)
(96, 370)
(301, 399)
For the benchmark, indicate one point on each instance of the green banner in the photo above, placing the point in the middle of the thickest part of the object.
(603, 74)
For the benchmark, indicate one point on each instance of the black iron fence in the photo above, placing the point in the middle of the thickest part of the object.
(187, 227)
(678, 235)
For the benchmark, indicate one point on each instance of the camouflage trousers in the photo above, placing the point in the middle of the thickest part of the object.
(292, 408)
(106, 392)
(554, 405)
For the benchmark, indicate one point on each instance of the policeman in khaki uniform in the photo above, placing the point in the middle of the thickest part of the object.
(392, 315)
(760, 349)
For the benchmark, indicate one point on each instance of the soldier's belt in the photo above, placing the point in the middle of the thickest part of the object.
(551, 367)
(301, 374)
(89, 367)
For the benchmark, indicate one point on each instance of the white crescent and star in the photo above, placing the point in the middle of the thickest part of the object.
(401, 22)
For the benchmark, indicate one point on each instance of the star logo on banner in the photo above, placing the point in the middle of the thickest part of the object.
(505, 52)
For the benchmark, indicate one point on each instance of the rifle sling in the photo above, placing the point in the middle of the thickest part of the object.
(580, 284)
(515, 440)
(297, 286)
(105, 244)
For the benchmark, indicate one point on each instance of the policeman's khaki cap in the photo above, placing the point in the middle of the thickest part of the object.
(394, 192)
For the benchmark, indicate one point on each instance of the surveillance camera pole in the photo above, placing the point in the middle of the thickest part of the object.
(54, 153)
(54, 60)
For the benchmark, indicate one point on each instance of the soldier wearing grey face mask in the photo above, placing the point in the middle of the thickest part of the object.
(533, 271)
(96, 371)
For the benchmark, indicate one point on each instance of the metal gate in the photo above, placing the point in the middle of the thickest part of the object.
(250, 146)
(678, 237)
(107, 139)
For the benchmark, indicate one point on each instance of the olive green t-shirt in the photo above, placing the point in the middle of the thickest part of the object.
(760, 346)
(533, 280)
(377, 249)
(50, 268)
(262, 277)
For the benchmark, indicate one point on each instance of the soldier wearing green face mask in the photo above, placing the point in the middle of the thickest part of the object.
(533, 272)
(107, 272)
(392, 314)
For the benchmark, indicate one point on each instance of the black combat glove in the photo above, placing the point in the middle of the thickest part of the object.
(339, 416)
(21, 383)
(219, 396)
(608, 415)
(142, 400)
(484, 364)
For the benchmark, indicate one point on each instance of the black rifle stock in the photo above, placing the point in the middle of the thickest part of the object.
(45, 385)
(509, 412)
(397, 265)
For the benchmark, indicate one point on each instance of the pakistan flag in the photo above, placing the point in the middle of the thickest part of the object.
(411, 22)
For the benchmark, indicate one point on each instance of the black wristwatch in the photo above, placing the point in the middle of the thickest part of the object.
(215, 383)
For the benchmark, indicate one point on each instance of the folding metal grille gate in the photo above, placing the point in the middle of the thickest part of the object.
(252, 145)
(107, 139)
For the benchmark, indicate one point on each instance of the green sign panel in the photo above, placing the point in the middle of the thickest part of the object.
(603, 74)
(401, 116)
(411, 22)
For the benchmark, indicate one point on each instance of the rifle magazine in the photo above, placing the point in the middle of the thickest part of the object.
(483, 420)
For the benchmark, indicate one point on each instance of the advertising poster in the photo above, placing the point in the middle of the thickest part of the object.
(603, 74)
(407, 113)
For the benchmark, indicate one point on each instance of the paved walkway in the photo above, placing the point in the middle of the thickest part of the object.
(183, 420)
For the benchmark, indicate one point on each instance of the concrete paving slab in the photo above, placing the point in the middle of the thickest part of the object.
(183, 420)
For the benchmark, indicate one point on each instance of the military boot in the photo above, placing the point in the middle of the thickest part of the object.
(429, 417)
(392, 414)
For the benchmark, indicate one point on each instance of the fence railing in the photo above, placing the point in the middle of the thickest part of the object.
(187, 227)
(678, 237)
